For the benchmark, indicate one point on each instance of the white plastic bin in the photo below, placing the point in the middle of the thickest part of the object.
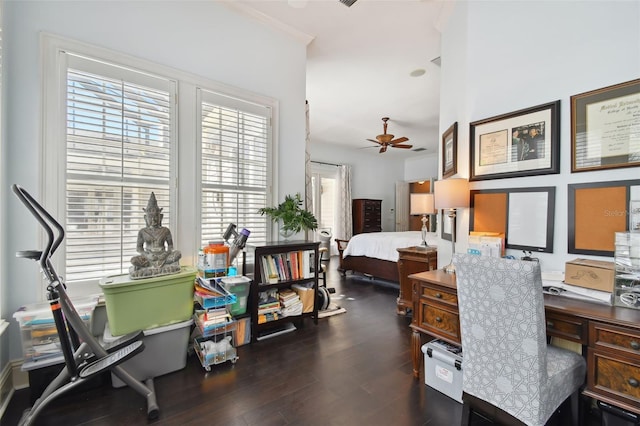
(165, 351)
(443, 368)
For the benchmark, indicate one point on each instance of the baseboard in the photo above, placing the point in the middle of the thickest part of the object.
(20, 378)
(7, 384)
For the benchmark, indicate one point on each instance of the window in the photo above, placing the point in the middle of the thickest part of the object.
(234, 137)
(118, 151)
(113, 135)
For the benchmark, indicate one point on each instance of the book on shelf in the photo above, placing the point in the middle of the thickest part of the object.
(269, 272)
(264, 318)
(293, 262)
(207, 320)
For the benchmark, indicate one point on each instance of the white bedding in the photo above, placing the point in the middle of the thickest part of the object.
(383, 245)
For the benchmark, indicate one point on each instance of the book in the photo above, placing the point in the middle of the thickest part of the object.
(272, 316)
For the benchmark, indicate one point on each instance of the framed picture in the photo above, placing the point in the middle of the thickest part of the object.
(450, 151)
(521, 143)
(448, 226)
(596, 212)
(605, 128)
(524, 215)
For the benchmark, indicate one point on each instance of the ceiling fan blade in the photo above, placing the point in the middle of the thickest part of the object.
(382, 149)
(399, 140)
(402, 146)
(371, 140)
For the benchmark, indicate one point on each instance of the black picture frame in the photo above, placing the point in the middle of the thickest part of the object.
(521, 143)
(610, 114)
(450, 151)
(528, 222)
(446, 233)
(596, 210)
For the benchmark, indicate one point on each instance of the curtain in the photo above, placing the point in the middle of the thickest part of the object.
(344, 229)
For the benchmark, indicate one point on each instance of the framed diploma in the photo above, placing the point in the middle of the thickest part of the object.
(450, 151)
(520, 143)
(605, 128)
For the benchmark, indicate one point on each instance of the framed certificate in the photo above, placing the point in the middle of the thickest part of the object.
(605, 128)
(521, 143)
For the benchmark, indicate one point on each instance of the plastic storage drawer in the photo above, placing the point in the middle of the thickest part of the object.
(40, 340)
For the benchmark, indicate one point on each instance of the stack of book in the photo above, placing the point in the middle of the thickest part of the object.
(212, 320)
(268, 306)
(290, 303)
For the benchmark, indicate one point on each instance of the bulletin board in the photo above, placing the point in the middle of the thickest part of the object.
(596, 212)
(524, 215)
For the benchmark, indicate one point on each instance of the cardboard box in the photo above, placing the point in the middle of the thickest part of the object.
(594, 274)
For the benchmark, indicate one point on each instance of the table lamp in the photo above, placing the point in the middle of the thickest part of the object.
(422, 203)
(451, 194)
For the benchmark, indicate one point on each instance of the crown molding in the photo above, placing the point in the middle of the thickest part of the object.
(270, 22)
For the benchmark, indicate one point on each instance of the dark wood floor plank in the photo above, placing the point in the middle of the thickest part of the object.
(350, 369)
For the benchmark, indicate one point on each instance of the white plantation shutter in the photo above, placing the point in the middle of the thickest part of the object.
(235, 145)
(118, 150)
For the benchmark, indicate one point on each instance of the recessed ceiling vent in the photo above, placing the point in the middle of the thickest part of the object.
(349, 3)
(419, 149)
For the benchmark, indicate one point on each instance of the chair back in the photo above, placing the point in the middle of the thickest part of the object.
(503, 329)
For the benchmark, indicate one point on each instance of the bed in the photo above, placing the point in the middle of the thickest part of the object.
(376, 254)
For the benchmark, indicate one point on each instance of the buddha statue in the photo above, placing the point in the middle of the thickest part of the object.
(155, 246)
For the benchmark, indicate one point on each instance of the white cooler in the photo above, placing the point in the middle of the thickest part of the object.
(165, 351)
(443, 368)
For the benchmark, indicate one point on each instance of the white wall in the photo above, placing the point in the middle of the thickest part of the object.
(374, 175)
(422, 167)
(499, 57)
(200, 37)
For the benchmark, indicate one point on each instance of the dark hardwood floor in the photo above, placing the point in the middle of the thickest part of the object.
(350, 369)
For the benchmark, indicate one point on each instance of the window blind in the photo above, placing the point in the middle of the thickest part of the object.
(234, 151)
(118, 151)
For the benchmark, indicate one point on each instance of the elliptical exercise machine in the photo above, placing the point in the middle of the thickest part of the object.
(84, 356)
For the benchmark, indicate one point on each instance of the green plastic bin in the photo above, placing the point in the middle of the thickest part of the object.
(240, 287)
(149, 302)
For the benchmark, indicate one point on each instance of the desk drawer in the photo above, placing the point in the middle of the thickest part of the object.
(614, 375)
(440, 296)
(440, 322)
(607, 336)
(570, 328)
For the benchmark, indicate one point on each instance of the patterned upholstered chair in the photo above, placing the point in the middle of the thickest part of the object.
(509, 372)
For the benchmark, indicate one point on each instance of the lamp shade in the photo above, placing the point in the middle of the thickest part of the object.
(422, 203)
(451, 193)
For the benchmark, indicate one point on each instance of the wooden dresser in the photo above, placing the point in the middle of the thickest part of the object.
(367, 215)
(609, 335)
(410, 261)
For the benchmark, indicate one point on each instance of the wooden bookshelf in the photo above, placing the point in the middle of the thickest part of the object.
(288, 258)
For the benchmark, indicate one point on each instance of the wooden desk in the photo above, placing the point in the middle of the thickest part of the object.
(610, 336)
(412, 260)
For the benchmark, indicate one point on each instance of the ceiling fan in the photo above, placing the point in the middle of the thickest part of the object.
(386, 139)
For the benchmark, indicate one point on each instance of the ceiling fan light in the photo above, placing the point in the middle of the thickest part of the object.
(348, 3)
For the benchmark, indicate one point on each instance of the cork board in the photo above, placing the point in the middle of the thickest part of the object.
(490, 212)
(596, 212)
(524, 215)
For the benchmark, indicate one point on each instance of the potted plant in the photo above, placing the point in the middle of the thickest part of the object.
(291, 216)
